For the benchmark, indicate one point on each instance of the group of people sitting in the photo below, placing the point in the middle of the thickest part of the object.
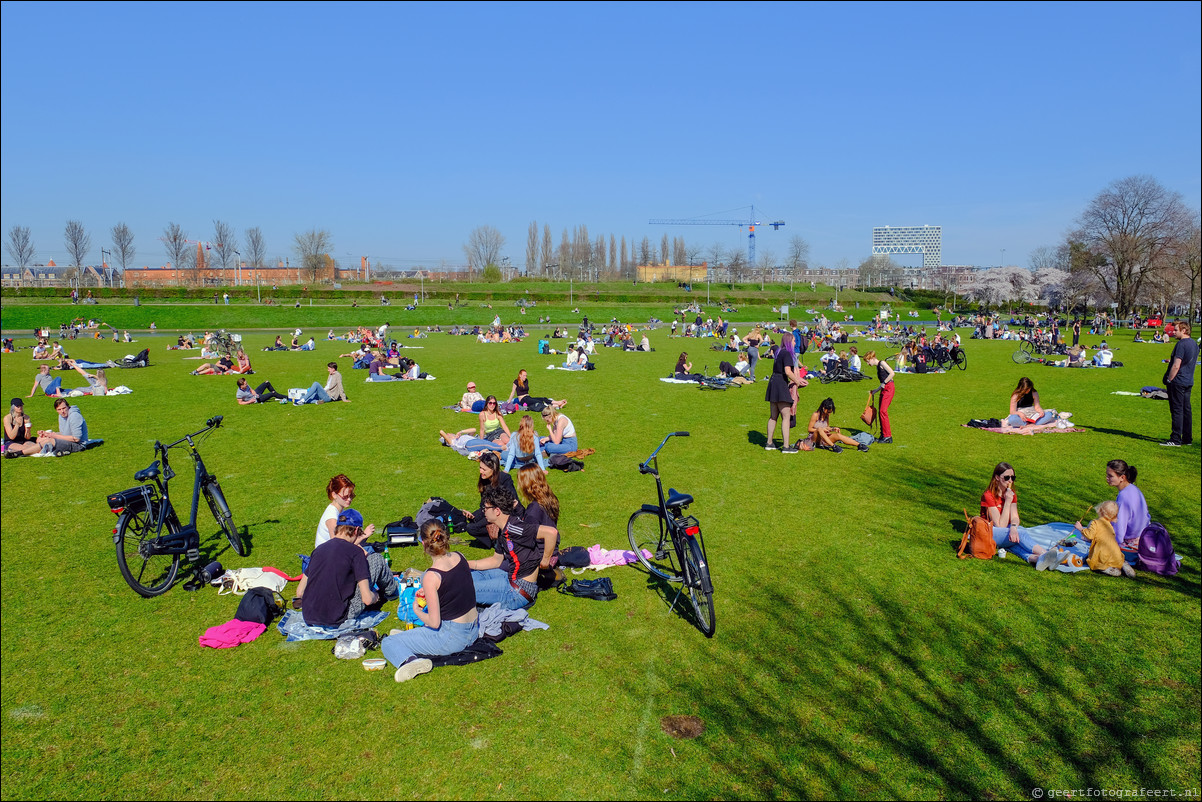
(344, 577)
(224, 366)
(1116, 530)
(20, 439)
(492, 433)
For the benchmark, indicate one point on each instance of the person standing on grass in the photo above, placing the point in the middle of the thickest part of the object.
(884, 375)
(1179, 381)
(753, 341)
(780, 401)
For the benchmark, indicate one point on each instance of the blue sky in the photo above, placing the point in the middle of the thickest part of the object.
(400, 128)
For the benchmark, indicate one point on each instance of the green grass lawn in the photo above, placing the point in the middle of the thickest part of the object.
(855, 656)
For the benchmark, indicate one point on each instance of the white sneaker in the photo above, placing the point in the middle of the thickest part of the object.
(412, 669)
(1047, 560)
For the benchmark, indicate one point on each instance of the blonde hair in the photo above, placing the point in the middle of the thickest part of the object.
(526, 435)
(1108, 510)
(551, 415)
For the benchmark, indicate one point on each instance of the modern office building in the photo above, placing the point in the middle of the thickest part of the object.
(927, 240)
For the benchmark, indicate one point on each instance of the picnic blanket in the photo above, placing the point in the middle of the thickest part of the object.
(671, 380)
(1025, 430)
(293, 626)
(1048, 535)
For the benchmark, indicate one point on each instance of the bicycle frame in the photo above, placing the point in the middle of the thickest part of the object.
(186, 540)
(671, 518)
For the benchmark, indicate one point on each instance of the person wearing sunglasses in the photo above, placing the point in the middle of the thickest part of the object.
(341, 492)
(999, 506)
(492, 424)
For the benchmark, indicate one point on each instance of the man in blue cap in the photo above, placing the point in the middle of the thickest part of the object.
(338, 584)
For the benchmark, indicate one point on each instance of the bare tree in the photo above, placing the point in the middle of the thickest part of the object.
(123, 245)
(646, 254)
(665, 250)
(766, 262)
(1133, 224)
(225, 243)
(532, 249)
(256, 247)
(312, 247)
(483, 247)
(20, 248)
(548, 252)
(1189, 263)
(614, 266)
(175, 240)
(564, 254)
(78, 242)
(798, 258)
(624, 260)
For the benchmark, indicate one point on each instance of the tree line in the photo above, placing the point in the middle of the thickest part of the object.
(312, 248)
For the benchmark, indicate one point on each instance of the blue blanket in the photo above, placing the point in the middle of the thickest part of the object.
(293, 626)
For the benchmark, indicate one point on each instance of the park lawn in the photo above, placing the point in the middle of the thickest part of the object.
(854, 655)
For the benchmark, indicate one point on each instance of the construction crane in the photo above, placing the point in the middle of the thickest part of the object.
(751, 222)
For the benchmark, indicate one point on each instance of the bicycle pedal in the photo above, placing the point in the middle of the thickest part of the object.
(193, 555)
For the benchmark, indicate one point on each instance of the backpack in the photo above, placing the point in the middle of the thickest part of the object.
(600, 589)
(575, 557)
(978, 537)
(1156, 551)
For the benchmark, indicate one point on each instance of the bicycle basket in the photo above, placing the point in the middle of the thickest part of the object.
(135, 499)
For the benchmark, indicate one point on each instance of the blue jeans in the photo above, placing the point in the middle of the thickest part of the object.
(1015, 421)
(53, 387)
(492, 587)
(568, 444)
(382, 377)
(316, 393)
(514, 453)
(1001, 538)
(449, 638)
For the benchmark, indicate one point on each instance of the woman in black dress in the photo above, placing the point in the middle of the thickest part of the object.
(780, 401)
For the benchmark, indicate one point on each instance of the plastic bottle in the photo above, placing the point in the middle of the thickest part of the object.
(387, 557)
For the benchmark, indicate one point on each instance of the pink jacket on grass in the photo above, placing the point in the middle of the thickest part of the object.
(231, 634)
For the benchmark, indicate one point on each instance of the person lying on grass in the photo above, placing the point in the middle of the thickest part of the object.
(466, 442)
(49, 385)
(260, 395)
(225, 366)
(450, 620)
(520, 392)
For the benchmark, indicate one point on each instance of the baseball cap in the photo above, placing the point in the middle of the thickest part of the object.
(16, 402)
(350, 517)
(471, 385)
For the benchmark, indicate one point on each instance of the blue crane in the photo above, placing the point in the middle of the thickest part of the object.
(751, 222)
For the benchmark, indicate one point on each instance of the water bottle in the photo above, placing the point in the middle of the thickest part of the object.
(388, 558)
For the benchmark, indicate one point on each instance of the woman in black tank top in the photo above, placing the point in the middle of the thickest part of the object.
(450, 620)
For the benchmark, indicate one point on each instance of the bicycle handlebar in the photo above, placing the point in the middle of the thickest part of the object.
(210, 424)
(643, 467)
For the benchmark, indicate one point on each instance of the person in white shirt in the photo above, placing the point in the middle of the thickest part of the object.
(1103, 357)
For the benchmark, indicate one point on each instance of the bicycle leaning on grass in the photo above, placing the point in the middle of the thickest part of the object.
(675, 544)
(147, 555)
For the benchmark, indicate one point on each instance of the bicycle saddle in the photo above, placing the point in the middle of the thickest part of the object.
(148, 473)
(676, 500)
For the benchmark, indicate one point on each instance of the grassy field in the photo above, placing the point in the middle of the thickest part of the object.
(854, 655)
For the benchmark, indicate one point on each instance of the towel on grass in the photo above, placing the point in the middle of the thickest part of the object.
(293, 626)
(1026, 430)
(231, 634)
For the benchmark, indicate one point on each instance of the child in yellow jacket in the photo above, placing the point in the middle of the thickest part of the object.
(1104, 552)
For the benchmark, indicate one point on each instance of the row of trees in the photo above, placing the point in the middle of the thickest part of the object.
(311, 247)
(1137, 244)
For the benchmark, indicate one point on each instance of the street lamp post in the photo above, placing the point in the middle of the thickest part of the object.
(103, 265)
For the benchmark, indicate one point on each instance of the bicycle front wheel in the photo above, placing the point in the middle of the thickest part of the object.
(147, 573)
(701, 590)
(1021, 357)
(649, 539)
(221, 511)
(961, 360)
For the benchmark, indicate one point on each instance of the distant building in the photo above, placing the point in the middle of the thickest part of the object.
(687, 274)
(927, 240)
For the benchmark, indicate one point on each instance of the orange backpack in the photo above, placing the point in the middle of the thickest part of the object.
(978, 537)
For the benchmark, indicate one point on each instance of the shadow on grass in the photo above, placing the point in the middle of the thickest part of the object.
(1121, 433)
(675, 597)
(893, 696)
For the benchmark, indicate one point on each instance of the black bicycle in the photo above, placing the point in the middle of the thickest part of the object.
(1033, 351)
(148, 536)
(675, 544)
(947, 358)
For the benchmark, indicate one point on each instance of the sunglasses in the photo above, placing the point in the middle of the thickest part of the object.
(1010, 478)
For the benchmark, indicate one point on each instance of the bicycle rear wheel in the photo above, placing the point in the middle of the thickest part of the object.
(960, 359)
(1021, 356)
(221, 511)
(701, 590)
(648, 533)
(148, 574)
